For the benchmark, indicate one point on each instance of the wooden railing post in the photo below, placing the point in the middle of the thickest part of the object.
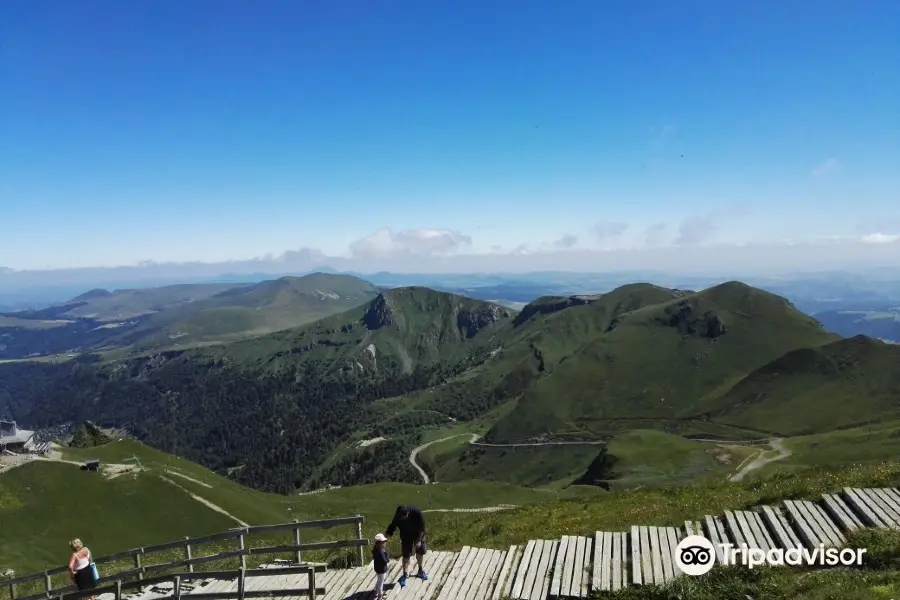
(187, 553)
(312, 583)
(359, 549)
(241, 579)
(177, 589)
(12, 591)
(137, 562)
(299, 556)
(48, 584)
(118, 589)
(241, 547)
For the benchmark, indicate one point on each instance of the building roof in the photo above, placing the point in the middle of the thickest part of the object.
(11, 434)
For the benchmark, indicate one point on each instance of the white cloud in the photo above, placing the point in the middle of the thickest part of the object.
(655, 234)
(825, 168)
(609, 230)
(880, 238)
(566, 241)
(695, 230)
(386, 243)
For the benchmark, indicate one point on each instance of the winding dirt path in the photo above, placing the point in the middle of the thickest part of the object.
(206, 502)
(761, 459)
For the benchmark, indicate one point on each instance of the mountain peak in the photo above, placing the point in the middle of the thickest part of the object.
(401, 306)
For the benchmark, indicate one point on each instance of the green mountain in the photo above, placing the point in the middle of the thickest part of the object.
(345, 399)
(179, 316)
(661, 363)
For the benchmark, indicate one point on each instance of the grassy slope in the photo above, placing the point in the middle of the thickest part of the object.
(867, 444)
(423, 331)
(130, 303)
(654, 458)
(128, 507)
(812, 390)
(43, 505)
(258, 309)
(648, 369)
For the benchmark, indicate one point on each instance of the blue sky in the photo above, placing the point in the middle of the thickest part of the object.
(225, 130)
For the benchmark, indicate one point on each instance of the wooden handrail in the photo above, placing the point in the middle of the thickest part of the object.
(189, 545)
(119, 586)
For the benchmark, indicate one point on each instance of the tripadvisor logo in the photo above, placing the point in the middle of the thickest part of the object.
(696, 555)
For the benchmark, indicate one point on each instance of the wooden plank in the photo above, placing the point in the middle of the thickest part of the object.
(763, 529)
(665, 554)
(486, 575)
(755, 532)
(578, 567)
(656, 555)
(522, 573)
(539, 554)
(876, 506)
(354, 579)
(559, 560)
(786, 523)
(545, 575)
(457, 572)
(646, 557)
(804, 531)
(606, 562)
(712, 534)
(673, 548)
(831, 529)
(842, 504)
(875, 500)
(516, 563)
(746, 529)
(471, 576)
(615, 566)
(565, 582)
(839, 514)
(734, 531)
(540, 569)
(887, 504)
(586, 568)
(504, 573)
(862, 509)
(635, 541)
(441, 562)
(781, 539)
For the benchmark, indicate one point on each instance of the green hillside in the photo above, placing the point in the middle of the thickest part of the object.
(104, 305)
(142, 508)
(813, 390)
(152, 503)
(250, 310)
(662, 364)
(414, 365)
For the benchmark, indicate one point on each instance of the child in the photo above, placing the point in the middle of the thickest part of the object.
(379, 563)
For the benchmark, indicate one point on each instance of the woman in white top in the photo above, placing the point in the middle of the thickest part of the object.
(80, 566)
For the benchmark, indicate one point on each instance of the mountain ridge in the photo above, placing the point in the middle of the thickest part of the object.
(413, 359)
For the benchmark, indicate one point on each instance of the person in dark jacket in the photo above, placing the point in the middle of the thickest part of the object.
(380, 561)
(410, 522)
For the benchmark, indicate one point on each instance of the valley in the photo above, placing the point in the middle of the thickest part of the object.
(473, 410)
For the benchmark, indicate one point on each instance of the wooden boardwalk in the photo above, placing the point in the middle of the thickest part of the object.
(574, 566)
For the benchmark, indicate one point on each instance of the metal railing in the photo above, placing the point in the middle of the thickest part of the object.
(188, 545)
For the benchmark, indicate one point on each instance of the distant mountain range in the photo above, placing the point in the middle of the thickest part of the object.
(728, 362)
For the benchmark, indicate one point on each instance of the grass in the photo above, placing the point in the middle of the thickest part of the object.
(535, 466)
(871, 443)
(653, 458)
(129, 512)
(42, 506)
